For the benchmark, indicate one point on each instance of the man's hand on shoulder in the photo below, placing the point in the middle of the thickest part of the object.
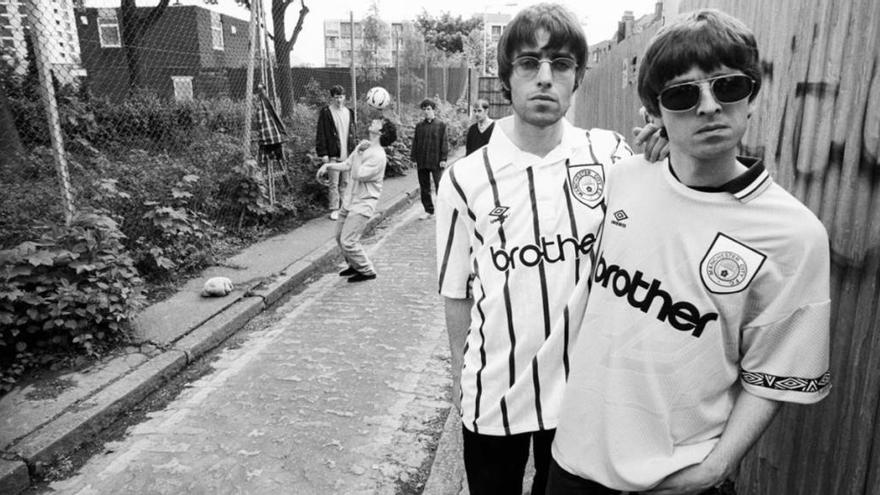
(655, 145)
(652, 137)
(442, 163)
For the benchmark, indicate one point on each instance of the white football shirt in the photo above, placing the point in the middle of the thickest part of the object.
(696, 298)
(516, 232)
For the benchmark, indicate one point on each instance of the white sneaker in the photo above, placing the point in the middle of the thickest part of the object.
(334, 215)
(426, 216)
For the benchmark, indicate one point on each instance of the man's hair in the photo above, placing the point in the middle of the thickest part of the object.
(705, 38)
(482, 103)
(427, 102)
(337, 90)
(388, 133)
(563, 28)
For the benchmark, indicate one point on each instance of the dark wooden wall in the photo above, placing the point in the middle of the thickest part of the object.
(817, 125)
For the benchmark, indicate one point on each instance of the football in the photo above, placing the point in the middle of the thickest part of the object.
(378, 97)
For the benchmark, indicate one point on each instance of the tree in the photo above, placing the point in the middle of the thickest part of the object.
(473, 49)
(375, 38)
(283, 47)
(446, 33)
(134, 25)
(412, 55)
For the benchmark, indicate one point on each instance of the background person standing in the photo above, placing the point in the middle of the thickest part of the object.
(334, 140)
(429, 151)
(480, 131)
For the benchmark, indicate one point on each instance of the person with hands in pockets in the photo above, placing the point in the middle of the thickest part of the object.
(709, 304)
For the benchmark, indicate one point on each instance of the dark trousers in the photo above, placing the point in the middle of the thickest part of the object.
(561, 482)
(425, 176)
(496, 465)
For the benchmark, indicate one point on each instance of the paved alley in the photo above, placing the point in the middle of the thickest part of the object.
(340, 396)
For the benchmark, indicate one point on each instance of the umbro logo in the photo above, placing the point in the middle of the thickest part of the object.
(619, 216)
(500, 214)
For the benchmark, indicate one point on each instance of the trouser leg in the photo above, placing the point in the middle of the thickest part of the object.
(425, 189)
(436, 174)
(495, 464)
(333, 196)
(349, 238)
(541, 443)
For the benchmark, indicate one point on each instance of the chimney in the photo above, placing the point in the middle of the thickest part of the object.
(658, 10)
(625, 26)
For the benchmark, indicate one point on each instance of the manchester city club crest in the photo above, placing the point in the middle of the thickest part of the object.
(729, 266)
(587, 183)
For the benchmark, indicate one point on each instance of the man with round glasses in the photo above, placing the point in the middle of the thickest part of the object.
(709, 303)
(516, 227)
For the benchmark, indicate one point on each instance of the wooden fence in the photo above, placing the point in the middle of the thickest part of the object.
(817, 125)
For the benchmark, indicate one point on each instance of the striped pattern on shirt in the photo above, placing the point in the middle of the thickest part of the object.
(515, 232)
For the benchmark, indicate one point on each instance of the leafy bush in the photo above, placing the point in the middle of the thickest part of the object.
(75, 289)
(173, 189)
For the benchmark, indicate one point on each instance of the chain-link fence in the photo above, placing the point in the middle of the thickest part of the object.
(135, 147)
(127, 153)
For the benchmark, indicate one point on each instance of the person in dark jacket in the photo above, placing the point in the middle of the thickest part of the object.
(429, 151)
(480, 131)
(334, 140)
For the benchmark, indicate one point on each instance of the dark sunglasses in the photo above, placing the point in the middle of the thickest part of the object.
(685, 96)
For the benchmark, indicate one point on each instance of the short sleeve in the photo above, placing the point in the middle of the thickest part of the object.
(785, 351)
(453, 238)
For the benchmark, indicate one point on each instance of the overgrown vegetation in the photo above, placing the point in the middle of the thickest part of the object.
(162, 190)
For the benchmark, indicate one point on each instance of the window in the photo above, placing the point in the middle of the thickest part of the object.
(183, 88)
(108, 28)
(216, 31)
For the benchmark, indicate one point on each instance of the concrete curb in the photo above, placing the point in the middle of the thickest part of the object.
(81, 421)
(447, 471)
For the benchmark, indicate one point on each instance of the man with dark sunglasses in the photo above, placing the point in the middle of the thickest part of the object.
(709, 304)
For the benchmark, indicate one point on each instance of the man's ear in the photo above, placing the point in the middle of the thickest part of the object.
(578, 82)
(752, 107)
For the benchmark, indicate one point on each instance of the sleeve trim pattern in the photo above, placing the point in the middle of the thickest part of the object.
(786, 383)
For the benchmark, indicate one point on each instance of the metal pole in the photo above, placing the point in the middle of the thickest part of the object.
(484, 41)
(397, 49)
(354, 103)
(41, 42)
(249, 87)
(426, 68)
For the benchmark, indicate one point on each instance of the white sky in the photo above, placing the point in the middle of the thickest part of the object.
(600, 17)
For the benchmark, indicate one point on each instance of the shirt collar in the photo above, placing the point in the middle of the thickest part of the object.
(744, 187)
(503, 152)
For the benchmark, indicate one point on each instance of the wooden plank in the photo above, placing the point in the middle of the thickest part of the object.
(849, 239)
(812, 87)
(842, 113)
(837, 35)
